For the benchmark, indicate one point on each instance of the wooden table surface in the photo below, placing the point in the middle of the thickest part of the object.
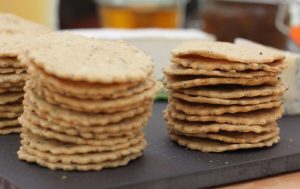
(284, 181)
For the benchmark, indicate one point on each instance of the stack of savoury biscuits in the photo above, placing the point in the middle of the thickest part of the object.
(14, 33)
(86, 103)
(223, 96)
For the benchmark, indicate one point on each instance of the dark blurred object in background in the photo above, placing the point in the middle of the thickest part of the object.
(120, 14)
(78, 14)
(253, 20)
(192, 19)
(226, 19)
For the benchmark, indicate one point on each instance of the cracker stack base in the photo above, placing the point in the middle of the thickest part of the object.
(85, 108)
(224, 97)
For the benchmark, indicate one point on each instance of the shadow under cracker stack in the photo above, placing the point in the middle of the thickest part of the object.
(223, 96)
(86, 102)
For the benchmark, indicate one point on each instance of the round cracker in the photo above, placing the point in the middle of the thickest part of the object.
(87, 158)
(57, 147)
(13, 78)
(8, 123)
(130, 91)
(93, 106)
(174, 69)
(11, 70)
(6, 98)
(257, 117)
(10, 62)
(212, 109)
(233, 101)
(227, 51)
(213, 127)
(182, 82)
(136, 122)
(79, 89)
(24, 155)
(234, 137)
(10, 130)
(227, 66)
(18, 85)
(44, 109)
(52, 127)
(10, 115)
(13, 107)
(208, 145)
(47, 133)
(233, 91)
(12, 24)
(12, 46)
(10, 89)
(79, 58)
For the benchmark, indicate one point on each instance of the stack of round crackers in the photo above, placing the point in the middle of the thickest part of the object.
(86, 103)
(223, 96)
(14, 34)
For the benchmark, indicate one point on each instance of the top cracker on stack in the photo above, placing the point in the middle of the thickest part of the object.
(224, 96)
(15, 33)
(14, 25)
(86, 102)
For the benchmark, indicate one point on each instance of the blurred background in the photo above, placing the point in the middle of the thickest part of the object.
(270, 22)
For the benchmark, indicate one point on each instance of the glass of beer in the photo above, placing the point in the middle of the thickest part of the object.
(140, 13)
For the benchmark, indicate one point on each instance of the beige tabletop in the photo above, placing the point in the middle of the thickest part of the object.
(284, 181)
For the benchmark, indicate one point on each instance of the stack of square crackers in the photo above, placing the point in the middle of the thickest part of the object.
(223, 96)
(14, 32)
(86, 103)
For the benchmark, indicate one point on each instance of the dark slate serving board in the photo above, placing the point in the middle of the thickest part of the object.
(164, 164)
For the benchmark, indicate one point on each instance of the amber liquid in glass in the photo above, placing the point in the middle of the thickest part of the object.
(139, 16)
